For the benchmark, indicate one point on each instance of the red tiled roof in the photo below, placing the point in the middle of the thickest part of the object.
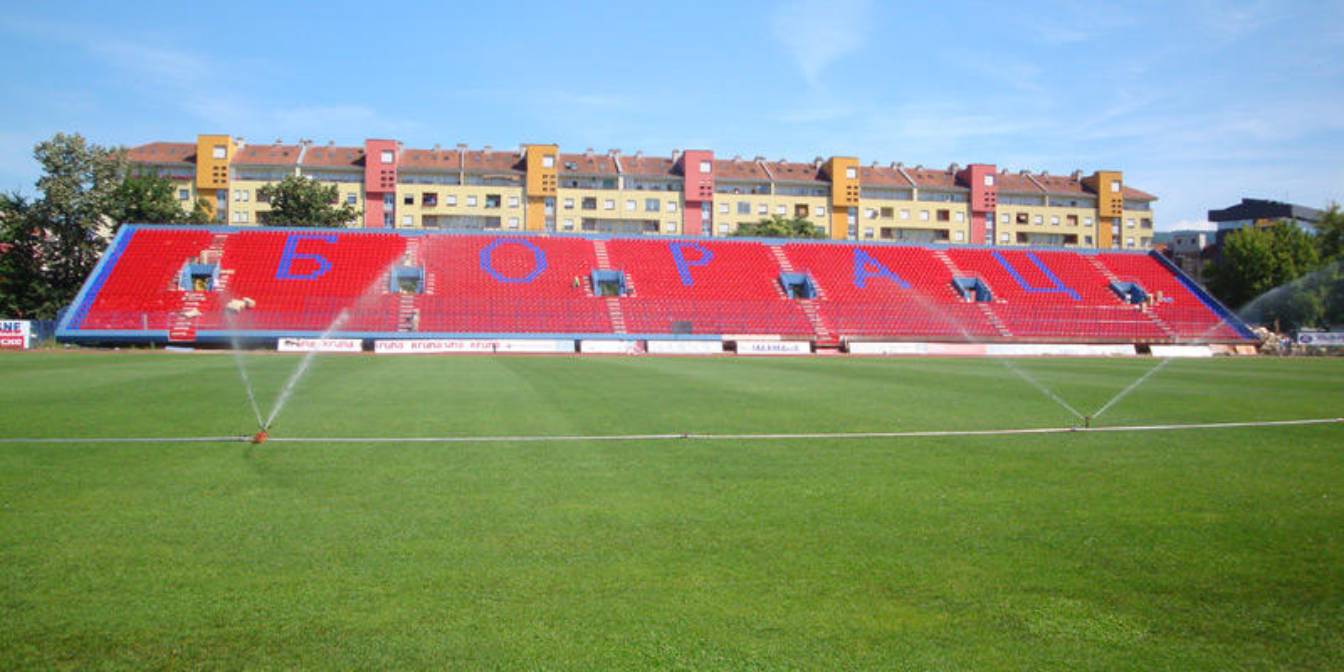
(334, 157)
(163, 152)
(1015, 183)
(430, 159)
(267, 155)
(788, 171)
(481, 161)
(882, 176)
(930, 178)
(587, 164)
(1132, 194)
(739, 169)
(1060, 184)
(653, 166)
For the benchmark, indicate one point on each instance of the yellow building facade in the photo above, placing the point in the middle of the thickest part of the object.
(540, 189)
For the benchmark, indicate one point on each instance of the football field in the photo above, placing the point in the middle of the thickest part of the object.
(1215, 548)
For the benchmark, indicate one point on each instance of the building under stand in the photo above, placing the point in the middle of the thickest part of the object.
(688, 193)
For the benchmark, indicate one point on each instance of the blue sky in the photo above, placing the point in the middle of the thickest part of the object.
(1201, 102)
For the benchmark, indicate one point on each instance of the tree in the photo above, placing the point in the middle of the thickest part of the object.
(1330, 234)
(201, 213)
(778, 226)
(23, 292)
(145, 199)
(76, 191)
(1262, 270)
(301, 201)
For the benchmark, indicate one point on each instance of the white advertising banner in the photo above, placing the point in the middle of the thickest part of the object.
(605, 347)
(1326, 338)
(685, 347)
(1182, 351)
(991, 349)
(1056, 349)
(319, 345)
(774, 347)
(472, 346)
(16, 334)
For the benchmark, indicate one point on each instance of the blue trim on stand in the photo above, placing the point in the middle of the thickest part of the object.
(89, 292)
(1204, 297)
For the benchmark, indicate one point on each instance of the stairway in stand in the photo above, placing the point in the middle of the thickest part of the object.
(1145, 309)
(993, 319)
(408, 316)
(614, 311)
(826, 337)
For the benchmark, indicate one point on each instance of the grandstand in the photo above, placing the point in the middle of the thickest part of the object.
(210, 285)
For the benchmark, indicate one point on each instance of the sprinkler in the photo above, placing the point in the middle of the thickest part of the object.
(1087, 422)
(260, 436)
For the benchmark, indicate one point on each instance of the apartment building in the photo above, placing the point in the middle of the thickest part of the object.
(688, 193)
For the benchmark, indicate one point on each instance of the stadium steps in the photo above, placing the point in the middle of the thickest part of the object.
(617, 317)
(182, 329)
(783, 259)
(826, 337)
(993, 319)
(1146, 310)
(600, 253)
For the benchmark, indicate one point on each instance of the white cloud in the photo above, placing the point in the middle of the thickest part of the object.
(818, 33)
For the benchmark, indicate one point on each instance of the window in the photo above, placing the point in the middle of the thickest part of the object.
(1087, 221)
(743, 208)
(1005, 218)
(183, 195)
(492, 200)
(407, 220)
(1037, 220)
(513, 222)
(781, 209)
(630, 204)
(429, 199)
(1054, 220)
(408, 199)
(471, 201)
(723, 208)
(1146, 223)
(671, 206)
(569, 224)
(868, 232)
(1115, 186)
(944, 215)
(609, 204)
(989, 182)
(513, 201)
(220, 152)
(762, 209)
(819, 210)
(450, 200)
(569, 204)
(1022, 218)
(589, 203)
(1087, 240)
(387, 156)
(706, 167)
(888, 213)
(1129, 242)
(723, 228)
(851, 173)
(923, 215)
(1005, 238)
(905, 214)
(237, 195)
(547, 161)
(1071, 220)
(869, 213)
(959, 236)
(1129, 223)
(651, 205)
(959, 217)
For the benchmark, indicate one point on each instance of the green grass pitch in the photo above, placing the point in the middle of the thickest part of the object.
(1199, 549)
